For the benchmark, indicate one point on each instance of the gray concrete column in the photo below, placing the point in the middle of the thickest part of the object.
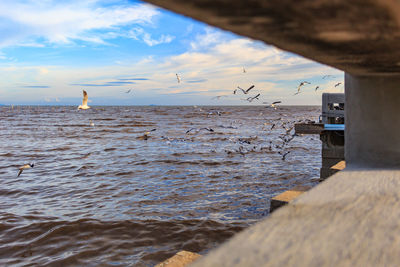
(372, 117)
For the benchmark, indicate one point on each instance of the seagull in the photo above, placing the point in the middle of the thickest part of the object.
(84, 101)
(197, 130)
(146, 135)
(244, 91)
(178, 78)
(316, 88)
(251, 98)
(128, 91)
(284, 155)
(300, 85)
(273, 104)
(148, 132)
(327, 76)
(336, 85)
(26, 166)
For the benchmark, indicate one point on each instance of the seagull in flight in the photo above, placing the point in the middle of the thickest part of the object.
(26, 166)
(273, 104)
(316, 88)
(178, 78)
(84, 101)
(244, 91)
(336, 85)
(128, 91)
(300, 85)
(284, 155)
(197, 130)
(251, 98)
(327, 76)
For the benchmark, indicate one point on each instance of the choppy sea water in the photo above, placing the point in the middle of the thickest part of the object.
(100, 194)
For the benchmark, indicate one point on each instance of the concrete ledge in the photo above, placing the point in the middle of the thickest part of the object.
(352, 219)
(339, 166)
(181, 259)
(286, 197)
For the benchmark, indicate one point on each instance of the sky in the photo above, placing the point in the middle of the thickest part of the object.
(51, 50)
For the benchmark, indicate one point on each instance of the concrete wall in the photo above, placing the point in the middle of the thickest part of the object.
(372, 121)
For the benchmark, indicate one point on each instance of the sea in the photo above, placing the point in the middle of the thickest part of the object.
(133, 185)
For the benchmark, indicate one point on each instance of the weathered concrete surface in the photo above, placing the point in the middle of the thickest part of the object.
(357, 36)
(286, 197)
(372, 121)
(351, 219)
(181, 259)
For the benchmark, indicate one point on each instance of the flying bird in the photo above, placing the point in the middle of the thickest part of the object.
(284, 155)
(273, 104)
(244, 91)
(197, 130)
(145, 136)
(300, 85)
(178, 78)
(84, 101)
(26, 166)
(316, 88)
(327, 76)
(251, 98)
(336, 85)
(128, 91)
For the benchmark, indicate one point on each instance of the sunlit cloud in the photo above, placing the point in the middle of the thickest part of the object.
(209, 61)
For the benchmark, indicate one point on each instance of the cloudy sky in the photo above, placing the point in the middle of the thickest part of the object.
(51, 50)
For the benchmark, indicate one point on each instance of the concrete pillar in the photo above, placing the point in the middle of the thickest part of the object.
(372, 121)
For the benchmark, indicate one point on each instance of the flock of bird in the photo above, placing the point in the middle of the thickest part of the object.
(256, 97)
(286, 138)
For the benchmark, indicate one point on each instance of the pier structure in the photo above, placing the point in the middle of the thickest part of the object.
(353, 217)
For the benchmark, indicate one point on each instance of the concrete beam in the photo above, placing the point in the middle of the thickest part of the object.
(372, 121)
(351, 219)
(358, 36)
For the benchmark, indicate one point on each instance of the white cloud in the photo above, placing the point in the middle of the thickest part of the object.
(61, 22)
(210, 37)
(139, 34)
(216, 69)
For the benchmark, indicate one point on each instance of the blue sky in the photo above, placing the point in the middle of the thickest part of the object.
(51, 50)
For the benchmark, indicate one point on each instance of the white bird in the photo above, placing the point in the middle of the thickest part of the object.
(178, 78)
(26, 166)
(273, 104)
(251, 98)
(300, 85)
(84, 101)
(244, 91)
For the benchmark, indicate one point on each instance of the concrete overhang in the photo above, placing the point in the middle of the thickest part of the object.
(361, 37)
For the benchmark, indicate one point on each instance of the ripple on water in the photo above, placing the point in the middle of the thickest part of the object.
(99, 195)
